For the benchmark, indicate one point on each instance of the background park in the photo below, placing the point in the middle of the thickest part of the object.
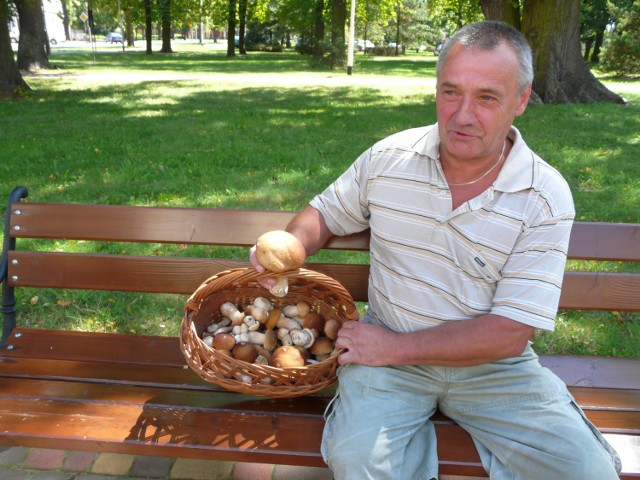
(209, 125)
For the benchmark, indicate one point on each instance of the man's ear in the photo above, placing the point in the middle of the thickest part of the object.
(523, 100)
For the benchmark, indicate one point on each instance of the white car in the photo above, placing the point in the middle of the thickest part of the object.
(363, 44)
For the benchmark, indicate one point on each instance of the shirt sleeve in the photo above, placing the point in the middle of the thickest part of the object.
(530, 287)
(343, 204)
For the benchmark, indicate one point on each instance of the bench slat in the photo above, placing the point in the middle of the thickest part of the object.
(37, 413)
(139, 352)
(126, 223)
(581, 290)
(589, 240)
(145, 274)
(605, 241)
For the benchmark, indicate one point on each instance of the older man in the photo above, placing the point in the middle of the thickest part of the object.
(469, 234)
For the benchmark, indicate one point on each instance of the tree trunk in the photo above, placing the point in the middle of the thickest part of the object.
(148, 33)
(242, 13)
(552, 28)
(231, 29)
(11, 81)
(505, 10)
(32, 51)
(595, 56)
(318, 30)
(65, 20)
(165, 16)
(587, 48)
(338, 26)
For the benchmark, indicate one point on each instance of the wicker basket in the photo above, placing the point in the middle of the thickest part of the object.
(325, 295)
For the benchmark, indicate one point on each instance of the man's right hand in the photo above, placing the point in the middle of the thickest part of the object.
(265, 282)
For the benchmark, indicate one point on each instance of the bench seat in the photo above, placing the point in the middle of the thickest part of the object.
(134, 394)
(116, 393)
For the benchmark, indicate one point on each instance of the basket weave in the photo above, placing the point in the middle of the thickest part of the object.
(325, 295)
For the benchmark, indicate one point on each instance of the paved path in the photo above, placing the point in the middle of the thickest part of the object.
(18, 463)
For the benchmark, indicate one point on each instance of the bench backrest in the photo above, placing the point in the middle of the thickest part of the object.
(588, 289)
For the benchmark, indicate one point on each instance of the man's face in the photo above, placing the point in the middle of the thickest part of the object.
(477, 99)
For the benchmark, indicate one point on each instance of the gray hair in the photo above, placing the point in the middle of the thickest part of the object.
(487, 35)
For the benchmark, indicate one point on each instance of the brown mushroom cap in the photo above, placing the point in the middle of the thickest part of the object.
(314, 321)
(279, 251)
(285, 357)
(245, 351)
(322, 346)
(331, 328)
(223, 341)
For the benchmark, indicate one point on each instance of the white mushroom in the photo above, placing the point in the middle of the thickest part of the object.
(300, 310)
(281, 287)
(252, 323)
(288, 323)
(260, 314)
(278, 251)
(263, 303)
(229, 310)
(303, 338)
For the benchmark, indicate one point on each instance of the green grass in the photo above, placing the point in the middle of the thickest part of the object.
(267, 131)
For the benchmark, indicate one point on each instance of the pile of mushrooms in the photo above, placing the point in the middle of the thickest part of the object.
(292, 336)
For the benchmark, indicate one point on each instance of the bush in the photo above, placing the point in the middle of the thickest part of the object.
(622, 55)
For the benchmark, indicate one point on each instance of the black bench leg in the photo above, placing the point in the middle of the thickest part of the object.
(8, 295)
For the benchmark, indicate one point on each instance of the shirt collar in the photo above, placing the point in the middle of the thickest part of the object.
(516, 174)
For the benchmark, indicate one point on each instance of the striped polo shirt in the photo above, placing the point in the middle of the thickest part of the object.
(502, 252)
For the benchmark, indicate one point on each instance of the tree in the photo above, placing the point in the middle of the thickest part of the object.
(594, 18)
(165, 18)
(231, 29)
(148, 31)
(623, 53)
(553, 30)
(34, 44)
(242, 13)
(338, 52)
(11, 81)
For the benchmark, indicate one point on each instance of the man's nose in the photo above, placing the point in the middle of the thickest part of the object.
(465, 113)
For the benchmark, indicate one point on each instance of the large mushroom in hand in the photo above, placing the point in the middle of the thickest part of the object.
(278, 251)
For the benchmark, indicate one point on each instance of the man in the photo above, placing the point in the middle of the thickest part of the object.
(469, 233)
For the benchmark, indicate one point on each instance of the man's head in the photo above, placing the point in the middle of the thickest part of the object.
(487, 35)
(484, 78)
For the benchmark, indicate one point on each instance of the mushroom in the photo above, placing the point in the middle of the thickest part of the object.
(274, 316)
(288, 323)
(262, 302)
(284, 336)
(301, 310)
(224, 322)
(321, 348)
(252, 323)
(314, 321)
(259, 313)
(223, 341)
(245, 351)
(229, 310)
(268, 339)
(303, 338)
(287, 356)
(331, 328)
(278, 251)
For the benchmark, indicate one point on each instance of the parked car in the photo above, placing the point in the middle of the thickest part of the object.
(113, 37)
(362, 45)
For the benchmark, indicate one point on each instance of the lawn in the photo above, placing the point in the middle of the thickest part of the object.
(267, 131)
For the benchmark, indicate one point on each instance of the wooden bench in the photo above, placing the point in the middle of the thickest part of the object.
(134, 394)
